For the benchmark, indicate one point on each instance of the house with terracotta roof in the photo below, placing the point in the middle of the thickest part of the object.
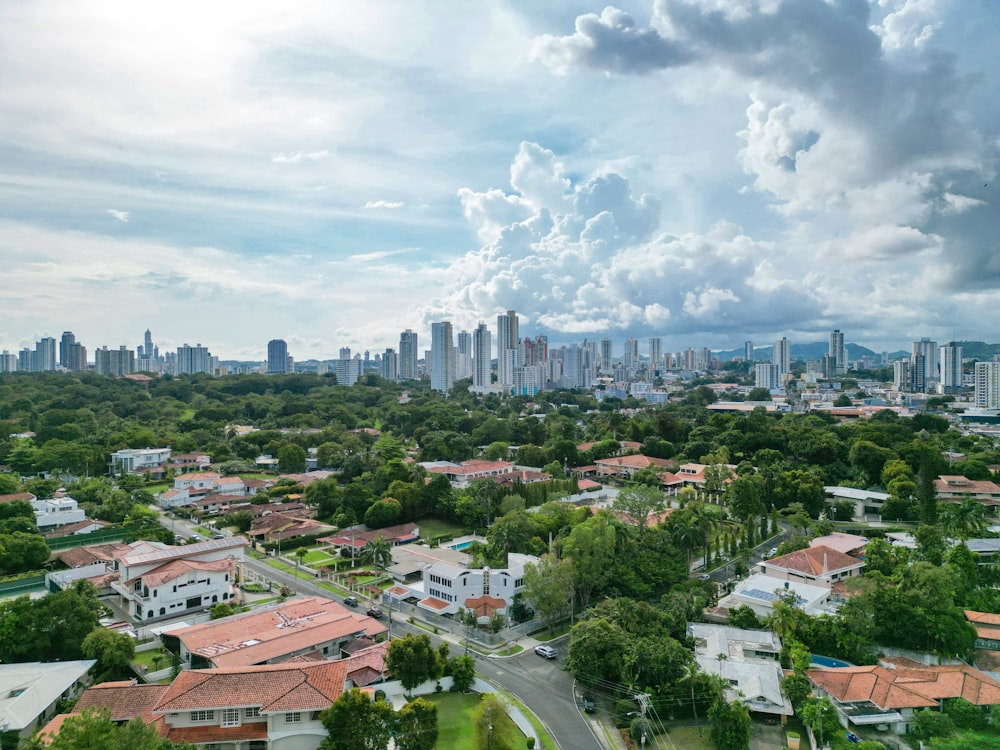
(955, 488)
(26, 497)
(463, 474)
(890, 692)
(987, 627)
(848, 544)
(158, 580)
(623, 467)
(816, 566)
(274, 634)
(690, 475)
(187, 461)
(351, 541)
(196, 485)
(277, 527)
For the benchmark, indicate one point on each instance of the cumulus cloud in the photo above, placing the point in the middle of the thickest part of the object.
(117, 215)
(299, 156)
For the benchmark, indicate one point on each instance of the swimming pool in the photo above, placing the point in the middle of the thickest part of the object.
(460, 545)
(828, 661)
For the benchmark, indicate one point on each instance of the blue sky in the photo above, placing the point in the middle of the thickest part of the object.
(703, 170)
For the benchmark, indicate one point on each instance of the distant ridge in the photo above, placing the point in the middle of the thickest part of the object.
(811, 351)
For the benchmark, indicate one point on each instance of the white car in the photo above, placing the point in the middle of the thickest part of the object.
(546, 651)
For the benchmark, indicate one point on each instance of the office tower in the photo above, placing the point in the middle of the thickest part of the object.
(782, 355)
(748, 352)
(951, 367)
(146, 350)
(767, 375)
(482, 356)
(114, 362)
(929, 350)
(45, 354)
(389, 365)
(277, 357)
(655, 353)
(345, 352)
(918, 373)
(26, 360)
(194, 359)
(508, 341)
(606, 359)
(630, 356)
(443, 357)
(408, 356)
(838, 351)
(987, 394)
(463, 356)
(8, 362)
(902, 379)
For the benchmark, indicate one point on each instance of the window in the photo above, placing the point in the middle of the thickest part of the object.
(251, 712)
(486, 582)
(293, 718)
(230, 717)
(203, 716)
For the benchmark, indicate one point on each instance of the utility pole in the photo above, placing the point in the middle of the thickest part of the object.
(643, 699)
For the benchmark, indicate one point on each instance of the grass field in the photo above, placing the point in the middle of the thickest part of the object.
(432, 528)
(148, 657)
(455, 720)
(685, 738)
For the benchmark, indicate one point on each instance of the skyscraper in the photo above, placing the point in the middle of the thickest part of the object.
(45, 354)
(277, 357)
(838, 351)
(114, 362)
(482, 364)
(767, 375)
(951, 367)
(748, 351)
(606, 358)
(508, 341)
(782, 355)
(193, 359)
(72, 355)
(390, 365)
(987, 385)
(929, 350)
(408, 355)
(463, 356)
(442, 356)
(630, 355)
(655, 353)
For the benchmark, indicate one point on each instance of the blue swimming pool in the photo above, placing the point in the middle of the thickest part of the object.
(460, 545)
(828, 661)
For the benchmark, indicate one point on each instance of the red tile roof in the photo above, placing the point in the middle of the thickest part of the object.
(982, 618)
(25, 496)
(813, 561)
(177, 568)
(432, 602)
(125, 699)
(907, 687)
(272, 687)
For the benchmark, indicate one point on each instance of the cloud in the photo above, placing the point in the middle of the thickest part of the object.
(299, 157)
(384, 204)
(117, 215)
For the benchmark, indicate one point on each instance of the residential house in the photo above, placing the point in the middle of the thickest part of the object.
(760, 592)
(277, 527)
(86, 526)
(467, 472)
(350, 542)
(866, 502)
(147, 461)
(987, 627)
(158, 580)
(198, 485)
(848, 544)
(31, 691)
(623, 467)
(188, 461)
(817, 566)
(690, 475)
(57, 511)
(955, 488)
(272, 635)
(25, 497)
(890, 692)
(747, 662)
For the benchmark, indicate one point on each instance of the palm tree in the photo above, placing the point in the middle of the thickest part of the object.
(378, 552)
(300, 555)
(686, 534)
(963, 519)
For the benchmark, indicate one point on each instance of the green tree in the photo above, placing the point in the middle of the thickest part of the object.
(821, 716)
(548, 585)
(638, 503)
(963, 519)
(382, 513)
(112, 649)
(416, 725)
(355, 722)
(590, 547)
(744, 617)
(730, 725)
(300, 555)
(928, 724)
(413, 660)
(463, 673)
(377, 552)
(94, 730)
(292, 459)
(494, 729)
(22, 552)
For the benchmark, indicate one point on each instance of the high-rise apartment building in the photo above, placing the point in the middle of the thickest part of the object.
(918, 373)
(838, 351)
(277, 357)
(408, 356)
(72, 354)
(606, 358)
(45, 354)
(655, 353)
(987, 376)
(390, 365)
(782, 355)
(114, 362)
(482, 356)
(463, 356)
(767, 375)
(508, 341)
(348, 369)
(443, 356)
(748, 351)
(630, 356)
(929, 350)
(951, 367)
(194, 359)
(902, 378)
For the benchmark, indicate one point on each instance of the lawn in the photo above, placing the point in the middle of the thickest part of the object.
(455, 730)
(432, 528)
(686, 738)
(148, 657)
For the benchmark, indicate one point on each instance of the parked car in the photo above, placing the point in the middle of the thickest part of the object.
(853, 738)
(546, 651)
(374, 612)
(588, 704)
(351, 601)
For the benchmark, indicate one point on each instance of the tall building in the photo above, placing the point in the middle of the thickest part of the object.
(918, 373)
(277, 357)
(463, 356)
(767, 375)
(8, 362)
(114, 362)
(987, 394)
(951, 368)
(408, 356)
(482, 356)
(782, 355)
(194, 359)
(838, 351)
(348, 369)
(508, 341)
(72, 354)
(443, 356)
(630, 356)
(45, 354)
(748, 351)
(655, 353)
(146, 350)
(929, 350)
(902, 378)
(606, 359)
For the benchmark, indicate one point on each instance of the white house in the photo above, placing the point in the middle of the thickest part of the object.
(196, 485)
(760, 592)
(158, 580)
(30, 691)
(138, 461)
(58, 511)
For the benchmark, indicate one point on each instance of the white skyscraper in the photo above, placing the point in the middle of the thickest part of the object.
(767, 375)
(482, 356)
(748, 351)
(988, 385)
(838, 351)
(929, 350)
(951, 367)
(192, 359)
(463, 356)
(655, 353)
(442, 356)
(606, 359)
(408, 356)
(630, 355)
(782, 355)
(508, 340)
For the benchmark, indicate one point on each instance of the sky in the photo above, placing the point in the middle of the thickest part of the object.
(330, 173)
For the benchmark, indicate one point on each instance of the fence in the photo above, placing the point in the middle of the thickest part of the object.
(20, 585)
(94, 537)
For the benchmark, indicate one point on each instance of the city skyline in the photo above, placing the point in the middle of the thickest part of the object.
(240, 174)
